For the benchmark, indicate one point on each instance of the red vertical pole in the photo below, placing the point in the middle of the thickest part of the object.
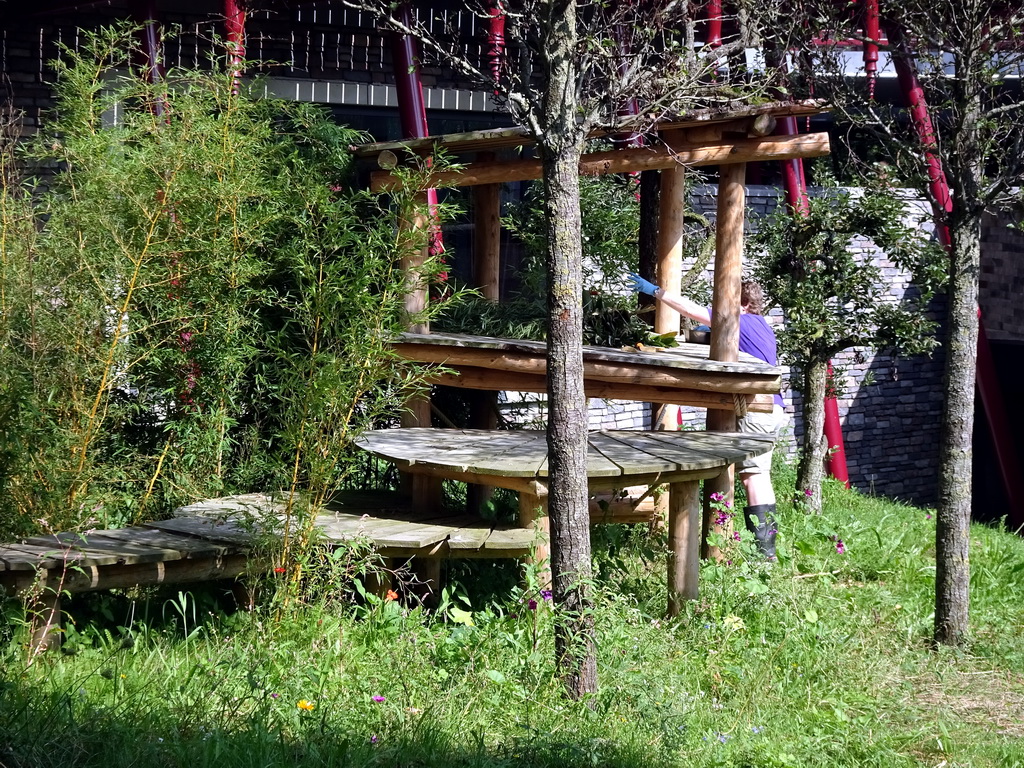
(942, 203)
(872, 31)
(795, 185)
(412, 109)
(496, 40)
(144, 12)
(234, 25)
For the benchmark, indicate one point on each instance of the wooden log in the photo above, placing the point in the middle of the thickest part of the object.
(484, 379)
(671, 229)
(44, 617)
(93, 578)
(763, 125)
(684, 528)
(533, 514)
(760, 149)
(487, 239)
(642, 375)
(725, 325)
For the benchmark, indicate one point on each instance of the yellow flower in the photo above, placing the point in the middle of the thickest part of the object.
(305, 704)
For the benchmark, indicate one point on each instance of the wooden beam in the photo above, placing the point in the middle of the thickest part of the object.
(491, 380)
(631, 160)
(487, 239)
(648, 376)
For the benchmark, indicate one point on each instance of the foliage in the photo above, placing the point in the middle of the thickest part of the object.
(795, 664)
(205, 304)
(819, 268)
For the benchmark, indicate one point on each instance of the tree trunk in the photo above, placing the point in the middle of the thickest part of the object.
(561, 145)
(953, 513)
(812, 454)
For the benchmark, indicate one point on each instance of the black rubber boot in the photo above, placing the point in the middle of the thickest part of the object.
(761, 523)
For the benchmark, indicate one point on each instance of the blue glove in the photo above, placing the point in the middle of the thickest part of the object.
(642, 286)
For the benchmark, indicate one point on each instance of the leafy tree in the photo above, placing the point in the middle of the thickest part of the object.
(834, 298)
(967, 57)
(570, 67)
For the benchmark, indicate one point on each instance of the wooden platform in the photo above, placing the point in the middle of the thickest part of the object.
(682, 375)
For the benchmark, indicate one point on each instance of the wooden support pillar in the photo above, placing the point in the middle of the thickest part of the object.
(424, 490)
(672, 210)
(533, 513)
(44, 616)
(684, 530)
(725, 320)
(483, 406)
(487, 240)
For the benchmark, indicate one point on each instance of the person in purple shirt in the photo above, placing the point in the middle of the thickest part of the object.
(757, 339)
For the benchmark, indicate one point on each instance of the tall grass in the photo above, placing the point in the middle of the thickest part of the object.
(823, 659)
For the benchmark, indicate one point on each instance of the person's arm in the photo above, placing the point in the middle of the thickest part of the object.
(680, 304)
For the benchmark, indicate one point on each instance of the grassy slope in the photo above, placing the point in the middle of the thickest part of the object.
(822, 660)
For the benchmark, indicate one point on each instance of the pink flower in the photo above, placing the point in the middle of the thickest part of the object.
(840, 547)
(378, 699)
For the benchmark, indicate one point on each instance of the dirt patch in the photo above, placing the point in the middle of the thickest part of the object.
(992, 699)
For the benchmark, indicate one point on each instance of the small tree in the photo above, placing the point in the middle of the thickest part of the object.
(570, 67)
(966, 58)
(834, 297)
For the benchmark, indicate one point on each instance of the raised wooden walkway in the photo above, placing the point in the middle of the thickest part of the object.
(214, 539)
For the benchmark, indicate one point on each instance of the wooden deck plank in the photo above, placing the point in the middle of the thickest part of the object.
(188, 547)
(732, 447)
(255, 505)
(669, 452)
(28, 557)
(520, 453)
(512, 539)
(94, 544)
(626, 457)
(469, 537)
(207, 528)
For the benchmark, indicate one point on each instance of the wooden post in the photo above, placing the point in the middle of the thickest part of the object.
(725, 321)
(44, 620)
(483, 406)
(672, 208)
(533, 513)
(425, 491)
(684, 529)
(487, 239)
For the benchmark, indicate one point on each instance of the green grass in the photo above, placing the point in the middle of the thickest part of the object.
(821, 660)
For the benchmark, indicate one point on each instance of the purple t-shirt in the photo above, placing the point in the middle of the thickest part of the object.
(758, 339)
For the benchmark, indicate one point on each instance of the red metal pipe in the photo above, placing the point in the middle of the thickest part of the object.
(795, 185)
(144, 12)
(872, 31)
(412, 109)
(496, 40)
(234, 26)
(714, 38)
(986, 380)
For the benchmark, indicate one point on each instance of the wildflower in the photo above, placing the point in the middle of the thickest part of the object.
(275, 695)
(391, 595)
(840, 547)
(756, 729)
(808, 492)
(279, 569)
(532, 605)
(722, 517)
(373, 739)
(305, 705)
(379, 699)
(722, 737)
(927, 517)
(735, 535)
(716, 496)
(545, 594)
